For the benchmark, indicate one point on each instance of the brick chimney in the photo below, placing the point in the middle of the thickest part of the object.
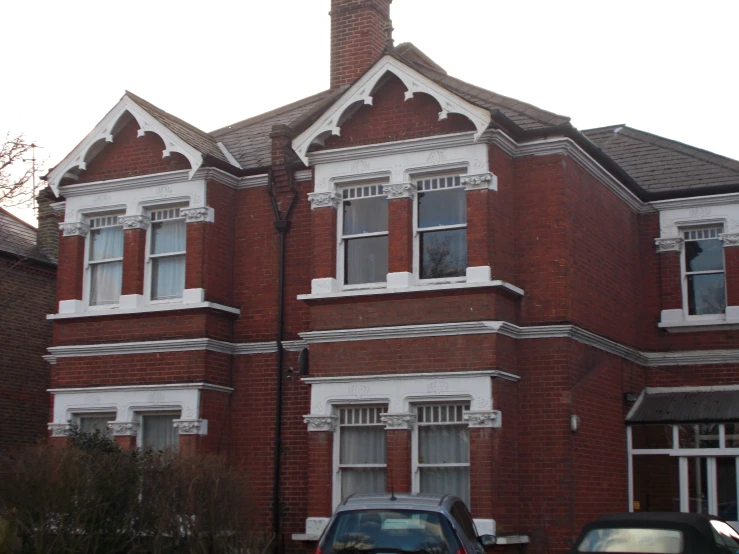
(47, 237)
(360, 31)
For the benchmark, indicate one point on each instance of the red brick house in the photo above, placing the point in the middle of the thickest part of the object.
(27, 294)
(542, 320)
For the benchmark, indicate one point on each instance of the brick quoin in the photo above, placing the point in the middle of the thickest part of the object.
(400, 235)
(129, 156)
(134, 255)
(398, 448)
(71, 268)
(731, 261)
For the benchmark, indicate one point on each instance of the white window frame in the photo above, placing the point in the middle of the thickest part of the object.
(148, 264)
(87, 279)
(684, 273)
(415, 465)
(417, 231)
(381, 408)
(140, 415)
(341, 237)
(685, 456)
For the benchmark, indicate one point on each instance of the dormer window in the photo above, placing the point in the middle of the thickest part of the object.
(105, 260)
(167, 248)
(442, 227)
(705, 283)
(364, 234)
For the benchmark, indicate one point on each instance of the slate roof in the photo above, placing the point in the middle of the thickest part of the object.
(249, 141)
(688, 407)
(661, 165)
(526, 116)
(18, 238)
(200, 140)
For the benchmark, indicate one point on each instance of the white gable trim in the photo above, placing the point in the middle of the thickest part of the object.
(104, 131)
(362, 91)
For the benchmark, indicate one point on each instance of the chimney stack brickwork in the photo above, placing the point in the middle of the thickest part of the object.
(47, 238)
(359, 35)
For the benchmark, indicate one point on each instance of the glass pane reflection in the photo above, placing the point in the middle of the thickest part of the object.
(704, 255)
(706, 294)
(443, 207)
(443, 254)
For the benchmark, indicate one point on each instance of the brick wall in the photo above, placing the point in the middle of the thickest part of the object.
(26, 296)
(391, 118)
(129, 156)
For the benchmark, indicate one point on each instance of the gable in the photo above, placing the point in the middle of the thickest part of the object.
(109, 128)
(391, 118)
(363, 91)
(130, 155)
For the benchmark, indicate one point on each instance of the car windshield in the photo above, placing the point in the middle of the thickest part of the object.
(390, 531)
(661, 541)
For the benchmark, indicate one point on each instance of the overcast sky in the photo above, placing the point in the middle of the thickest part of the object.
(666, 67)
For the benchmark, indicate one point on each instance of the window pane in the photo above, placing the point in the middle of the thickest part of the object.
(443, 207)
(732, 435)
(167, 277)
(365, 260)
(660, 541)
(362, 481)
(704, 255)
(362, 445)
(90, 424)
(368, 215)
(651, 436)
(159, 432)
(445, 444)
(105, 283)
(698, 485)
(443, 254)
(168, 236)
(451, 480)
(726, 480)
(706, 294)
(656, 483)
(106, 243)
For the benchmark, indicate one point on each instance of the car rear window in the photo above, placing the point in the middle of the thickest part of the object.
(660, 541)
(394, 530)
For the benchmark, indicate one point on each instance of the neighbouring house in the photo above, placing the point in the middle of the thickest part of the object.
(27, 294)
(407, 282)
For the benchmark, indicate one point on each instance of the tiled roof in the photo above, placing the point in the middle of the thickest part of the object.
(18, 238)
(524, 115)
(661, 165)
(200, 140)
(249, 142)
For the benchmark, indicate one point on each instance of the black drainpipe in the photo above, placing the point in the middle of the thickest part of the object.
(282, 224)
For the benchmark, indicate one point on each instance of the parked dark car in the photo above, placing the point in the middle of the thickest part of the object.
(656, 532)
(402, 523)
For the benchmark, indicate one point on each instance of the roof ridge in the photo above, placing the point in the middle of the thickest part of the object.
(683, 148)
(139, 100)
(266, 115)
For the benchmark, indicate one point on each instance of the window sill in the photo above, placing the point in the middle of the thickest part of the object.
(413, 289)
(151, 308)
(675, 321)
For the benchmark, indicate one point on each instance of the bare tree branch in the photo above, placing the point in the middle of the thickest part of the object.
(17, 168)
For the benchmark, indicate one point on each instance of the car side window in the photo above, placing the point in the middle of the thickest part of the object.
(462, 515)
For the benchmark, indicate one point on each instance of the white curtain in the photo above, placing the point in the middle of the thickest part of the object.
(168, 272)
(445, 444)
(159, 432)
(90, 424)
(362, 445)
(366, 260)
(105, 278)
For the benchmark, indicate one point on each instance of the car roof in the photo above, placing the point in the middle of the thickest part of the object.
(397, 501)
(654, 517)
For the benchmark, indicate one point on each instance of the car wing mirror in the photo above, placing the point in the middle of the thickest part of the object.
(488, 540)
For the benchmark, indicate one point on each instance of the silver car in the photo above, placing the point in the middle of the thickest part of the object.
(402, 523)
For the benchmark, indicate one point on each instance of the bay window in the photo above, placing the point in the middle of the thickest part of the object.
(362, 459)
(442, 450)
(705, 284)
(167, 254)
(105, 260)
(364, 234)
(442, 227)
